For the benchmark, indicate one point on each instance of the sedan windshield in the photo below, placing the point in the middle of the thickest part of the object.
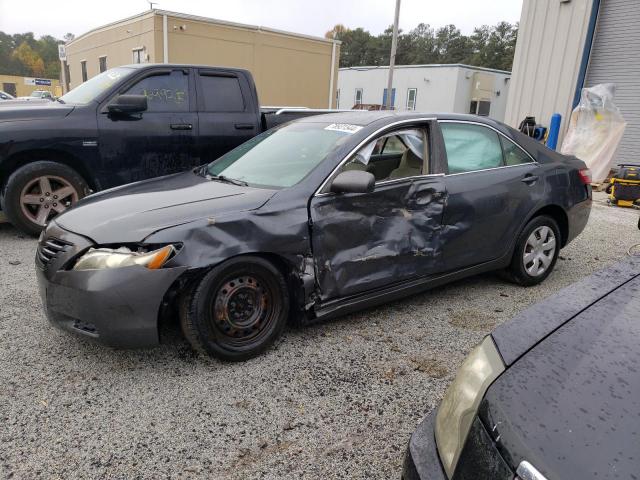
(89, 90)
(281, 158)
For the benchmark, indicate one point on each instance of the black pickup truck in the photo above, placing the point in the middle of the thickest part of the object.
(123, 125)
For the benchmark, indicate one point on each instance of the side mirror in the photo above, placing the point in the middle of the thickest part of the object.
(128, 104)
(353, 181)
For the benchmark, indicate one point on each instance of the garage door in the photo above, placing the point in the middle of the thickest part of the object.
(615, 57)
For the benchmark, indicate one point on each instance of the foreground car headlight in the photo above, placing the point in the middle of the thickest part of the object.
(462, 399)
(101, 258)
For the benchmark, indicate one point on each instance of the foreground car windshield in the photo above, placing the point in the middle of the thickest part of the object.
(280, 158)
(89, 90)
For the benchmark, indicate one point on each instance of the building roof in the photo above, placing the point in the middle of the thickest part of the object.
(428, 65)
(197, 18)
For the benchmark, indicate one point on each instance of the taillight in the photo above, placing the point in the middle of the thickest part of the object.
(585, 176)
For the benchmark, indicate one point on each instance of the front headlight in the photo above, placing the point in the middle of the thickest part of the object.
(462, 399)
(101, 258)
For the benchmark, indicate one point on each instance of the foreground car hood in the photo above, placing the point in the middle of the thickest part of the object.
(132, 212)
(32, 109)
(570, 405)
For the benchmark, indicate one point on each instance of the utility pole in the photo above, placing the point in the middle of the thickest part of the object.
(392, 57)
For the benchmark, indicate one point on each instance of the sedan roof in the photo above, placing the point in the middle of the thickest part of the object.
(364, 117)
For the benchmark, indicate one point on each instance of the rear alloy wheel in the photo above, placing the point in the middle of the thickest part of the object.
(40, 191)
(536, 252)
(237, 310)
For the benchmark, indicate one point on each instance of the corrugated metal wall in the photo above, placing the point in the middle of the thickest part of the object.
(615, 58)
(547, 61)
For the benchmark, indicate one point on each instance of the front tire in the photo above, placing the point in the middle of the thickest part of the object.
(237, 310)
(40, 191)
(536, 252)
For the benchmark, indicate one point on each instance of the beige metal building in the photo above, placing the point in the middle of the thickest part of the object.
(289, 69)
(23, 86)
(565, 45)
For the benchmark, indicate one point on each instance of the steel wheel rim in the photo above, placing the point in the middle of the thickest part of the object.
(46, 196)
(539, 251)
(243, 309)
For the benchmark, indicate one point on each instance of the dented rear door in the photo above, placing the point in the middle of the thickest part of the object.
(366, 241)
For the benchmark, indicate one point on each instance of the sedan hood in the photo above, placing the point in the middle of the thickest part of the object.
(28, 110)
(132, 212)
(570, 405)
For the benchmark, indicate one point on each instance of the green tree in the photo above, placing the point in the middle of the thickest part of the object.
(30, 59)
(22, 54)
(487, 46)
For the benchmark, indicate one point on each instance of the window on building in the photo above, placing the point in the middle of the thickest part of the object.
(138, 55)
(480, 107)
(358, 99)
(412, 93)
(471, 147)
(167, 92)
(393, 97)
(513, 154)
(102, 61)
(83, 67)
(10, 88)
(338, 98)
(484, 107)
(221, 93)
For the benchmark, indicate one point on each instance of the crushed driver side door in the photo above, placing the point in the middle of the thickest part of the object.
(364, 241)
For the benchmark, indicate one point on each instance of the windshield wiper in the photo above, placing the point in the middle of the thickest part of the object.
(60, 100)
(233, 181)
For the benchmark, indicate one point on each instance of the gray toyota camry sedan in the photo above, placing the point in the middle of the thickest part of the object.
(316, 218)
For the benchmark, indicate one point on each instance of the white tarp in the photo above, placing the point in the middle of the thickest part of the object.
(595, 130)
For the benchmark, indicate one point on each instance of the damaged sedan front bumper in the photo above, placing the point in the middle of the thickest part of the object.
(117, 307)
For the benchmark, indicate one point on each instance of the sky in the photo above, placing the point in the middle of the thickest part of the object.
(311, 17)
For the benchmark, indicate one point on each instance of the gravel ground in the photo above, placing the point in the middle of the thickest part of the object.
(336, 400)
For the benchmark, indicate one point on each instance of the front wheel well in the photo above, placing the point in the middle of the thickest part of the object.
(560, 216)
(184, 284)
(19, 160)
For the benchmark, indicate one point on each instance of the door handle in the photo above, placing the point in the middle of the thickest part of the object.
(530, 179)
(181, 126)
(244, 126)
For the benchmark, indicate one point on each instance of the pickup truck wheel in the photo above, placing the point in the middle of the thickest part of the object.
(40, 191)
(237, 310)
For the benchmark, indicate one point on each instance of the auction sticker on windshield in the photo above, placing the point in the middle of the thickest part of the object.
(343, 127)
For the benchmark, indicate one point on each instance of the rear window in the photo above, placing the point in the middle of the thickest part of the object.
(221, 93)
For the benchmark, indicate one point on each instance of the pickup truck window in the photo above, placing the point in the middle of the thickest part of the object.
(280, 158)
(93, 88)
(165, 92)
(221, 93)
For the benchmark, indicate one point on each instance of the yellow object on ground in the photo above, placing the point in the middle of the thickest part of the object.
(625, 187)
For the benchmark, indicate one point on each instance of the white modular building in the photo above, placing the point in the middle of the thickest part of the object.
(451, 88)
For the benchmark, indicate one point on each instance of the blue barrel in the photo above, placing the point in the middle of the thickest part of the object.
(554, 131)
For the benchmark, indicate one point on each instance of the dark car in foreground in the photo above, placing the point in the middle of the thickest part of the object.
(553, 394)
(320, 217)
(126, 124)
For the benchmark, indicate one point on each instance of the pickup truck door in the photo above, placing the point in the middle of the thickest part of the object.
(228, 111)
(156, 142)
